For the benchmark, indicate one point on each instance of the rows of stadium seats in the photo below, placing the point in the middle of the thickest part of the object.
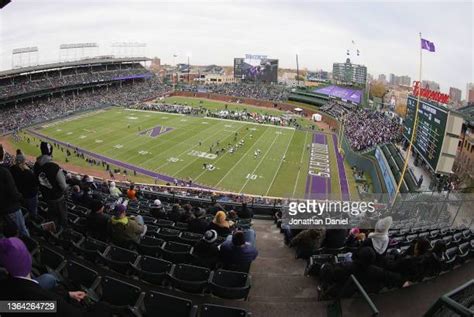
(75, 260)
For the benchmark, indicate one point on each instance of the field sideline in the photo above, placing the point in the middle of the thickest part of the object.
(178, 146)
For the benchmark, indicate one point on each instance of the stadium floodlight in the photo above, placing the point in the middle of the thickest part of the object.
(77, 45)
(23, 50)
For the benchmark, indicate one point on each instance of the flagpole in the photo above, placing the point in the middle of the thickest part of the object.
(413, 132)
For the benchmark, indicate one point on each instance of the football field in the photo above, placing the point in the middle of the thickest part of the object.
(265, 159)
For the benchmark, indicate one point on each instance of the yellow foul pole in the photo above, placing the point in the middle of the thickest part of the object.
(413, 132)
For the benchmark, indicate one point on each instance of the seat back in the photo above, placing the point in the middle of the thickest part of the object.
(230, 278)
(80, 275)
(191, 273)
(209, 310)
(119, 293)
(154, 265)
(165, 305)
(50, 258)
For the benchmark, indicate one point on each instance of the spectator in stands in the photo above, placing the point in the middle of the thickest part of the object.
(20, 285)
(188, 213)
(114, 191)
(10, 198)
(132, 193)
(220, 224)
(88, 185)
(412, 264)
(123, 229)
(26, 183)
(355, 238)
(77, 195)
(307, 242)
(379, 240)
(335, 238)
(97, 220)
(372, 277)
(52, 184)
(176, 214)
(245, 212)
(206, 250)
(236, 253)
(199, 224)
(157, 210)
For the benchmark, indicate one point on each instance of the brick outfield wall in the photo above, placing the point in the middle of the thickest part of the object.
(331, 122)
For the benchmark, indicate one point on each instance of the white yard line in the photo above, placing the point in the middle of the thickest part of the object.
(243, 156)
(301, 162)
(221, 157)
(281, 163)
(197, 158)
(261, 161)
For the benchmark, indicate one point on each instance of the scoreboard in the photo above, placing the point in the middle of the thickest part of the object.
(430, 130)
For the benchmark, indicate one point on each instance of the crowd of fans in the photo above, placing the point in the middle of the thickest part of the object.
(15, 117)
(372, 257)
(272, 92)
(367, 128)
(281, 120)
(50, 80)
(224, 243)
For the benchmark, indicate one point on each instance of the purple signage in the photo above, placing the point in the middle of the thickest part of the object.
(351, 95)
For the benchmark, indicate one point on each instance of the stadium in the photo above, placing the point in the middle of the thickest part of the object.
(134, 188)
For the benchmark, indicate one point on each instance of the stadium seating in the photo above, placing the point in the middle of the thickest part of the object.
(118, 259)
(230, 285)
(189, 278)
(79, 276)
(165, 305)
(176, 252)
(209, 310)
(152, 270)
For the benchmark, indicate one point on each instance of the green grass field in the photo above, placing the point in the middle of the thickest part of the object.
(279, 170)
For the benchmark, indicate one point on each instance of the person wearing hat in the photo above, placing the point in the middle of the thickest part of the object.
(97, 220)
(206, 252)
(10, 198)
(52, 184)
(20, 285)
(378, 240)
(200, 223)
(114, 191)
(123, 229)
(157, 210)
(26, 183)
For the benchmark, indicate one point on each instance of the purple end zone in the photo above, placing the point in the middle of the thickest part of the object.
(140, 170)
(156, 131)
(352, 95)
(342, 171)
(317, 187)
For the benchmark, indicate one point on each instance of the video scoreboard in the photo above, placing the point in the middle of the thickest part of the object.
(256, 68)
(430, 131)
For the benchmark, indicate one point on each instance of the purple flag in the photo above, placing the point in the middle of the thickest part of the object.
(427, 45)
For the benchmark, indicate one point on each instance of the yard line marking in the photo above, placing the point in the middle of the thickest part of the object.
(261, 161)
(281, 163)
(301, 163)
(221, 157)
(218, 132)
(244, 155)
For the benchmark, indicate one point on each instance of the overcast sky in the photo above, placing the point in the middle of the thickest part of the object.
(216, 31)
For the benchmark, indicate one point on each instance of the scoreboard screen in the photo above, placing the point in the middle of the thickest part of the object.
(430, 129)
(256, 69)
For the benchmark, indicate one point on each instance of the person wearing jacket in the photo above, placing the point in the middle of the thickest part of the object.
(20, 285)
(10, 198)
(27, 184)
(123, 229)
(307, 242)
(52, 184)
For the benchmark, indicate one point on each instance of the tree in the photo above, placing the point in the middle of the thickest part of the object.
(377, 89)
